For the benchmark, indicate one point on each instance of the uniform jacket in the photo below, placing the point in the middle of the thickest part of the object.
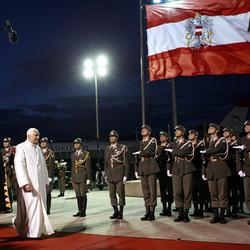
(80, 167)
(116, 162)
(217, 167)
(243, 157)
(50, 161)
(183, 151)
(147, 164)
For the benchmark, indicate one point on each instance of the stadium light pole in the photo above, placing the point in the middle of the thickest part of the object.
(94, 69)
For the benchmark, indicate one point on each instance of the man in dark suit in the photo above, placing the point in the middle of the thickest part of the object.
(243, 163)
(166, 186)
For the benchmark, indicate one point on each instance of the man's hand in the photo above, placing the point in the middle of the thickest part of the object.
(88, 182)
(241, 174)
(28, 188)
(204, 178)
(106, 179)
(124, 179)
(168, 173)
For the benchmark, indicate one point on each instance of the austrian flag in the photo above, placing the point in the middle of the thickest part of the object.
(198, 37)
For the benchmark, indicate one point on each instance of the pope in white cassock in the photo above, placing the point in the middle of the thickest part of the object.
(31, 172)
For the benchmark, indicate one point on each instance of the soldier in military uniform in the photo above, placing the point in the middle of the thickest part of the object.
(217, 173)
(81, 175)
(166, 186)
(148, 169)
(199, 188)
(243, 163)
(116, 172)
(50, 162)
(182, 173)
(233, 181)
(8, 154)
(61, 168)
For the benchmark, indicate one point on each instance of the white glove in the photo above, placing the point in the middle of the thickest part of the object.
(50, 180)
(203, 151)
(88, 182)
(136, 153)
(241, 173)
(136, 175)
(204, 178)
(106, 179)
(169, 150)
(168, 173)
(241, 147)
(124, 179)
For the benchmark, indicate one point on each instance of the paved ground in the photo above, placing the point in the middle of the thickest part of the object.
(98, 222)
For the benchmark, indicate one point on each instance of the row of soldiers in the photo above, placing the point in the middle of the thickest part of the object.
(188, 170)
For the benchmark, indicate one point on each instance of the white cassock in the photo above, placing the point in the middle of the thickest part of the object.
(31, 220)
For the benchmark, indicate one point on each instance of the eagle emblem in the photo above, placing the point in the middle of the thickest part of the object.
(199, 31)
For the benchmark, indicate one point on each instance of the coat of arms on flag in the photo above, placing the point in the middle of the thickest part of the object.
(199, 31)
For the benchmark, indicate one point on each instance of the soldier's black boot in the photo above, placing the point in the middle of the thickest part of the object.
(84, 206)
(164, 209)
(180, 215)
(151, 214)
(248, 223)
(145, 217)
(169, 212)
(185, 215)
(196, 210)
(222, 216)
(120, 215)
(79, 205)
(115, 214)
(201, 213)
(216, 218)
(62, 194)
(48, 203)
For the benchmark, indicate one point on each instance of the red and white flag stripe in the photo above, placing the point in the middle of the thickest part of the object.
(191, 37)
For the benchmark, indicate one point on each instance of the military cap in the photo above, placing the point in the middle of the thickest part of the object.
(215, 125)
(147, 127)
(163, 133)
(229, 130)
(77, 140)
(180, 127)
(6, 139)
(113, 133)
(44, 139)
(247, 122)
(192, 131)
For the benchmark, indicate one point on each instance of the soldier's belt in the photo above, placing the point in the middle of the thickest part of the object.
(117, 164)
(77, 168)
(214, 159)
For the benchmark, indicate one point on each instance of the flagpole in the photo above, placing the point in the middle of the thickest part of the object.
(174, 109)
(142, 64)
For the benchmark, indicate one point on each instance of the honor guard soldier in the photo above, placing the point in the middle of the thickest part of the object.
(81, 175)
(243, 162)
(166, 186)
(182, 173)
(217, 173)
(233, 183)
(199, 186)
(10, 184)
(148, 169)
(49, 156)
(61, 168)
(116, 172)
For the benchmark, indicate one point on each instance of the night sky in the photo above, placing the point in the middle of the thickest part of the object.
(42, 84)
